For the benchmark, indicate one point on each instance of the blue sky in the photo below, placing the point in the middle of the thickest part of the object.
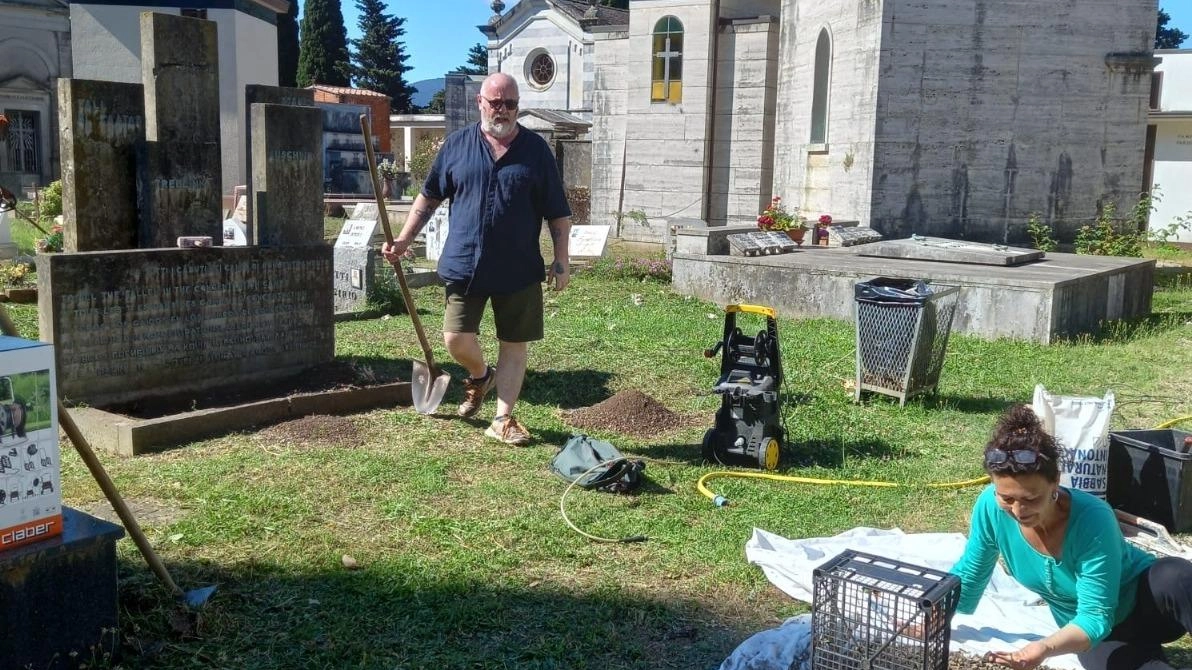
(440, 32)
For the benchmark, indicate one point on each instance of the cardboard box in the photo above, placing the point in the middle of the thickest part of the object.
(30, 486)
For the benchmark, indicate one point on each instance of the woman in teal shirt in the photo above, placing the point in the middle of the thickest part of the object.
(1115, 604)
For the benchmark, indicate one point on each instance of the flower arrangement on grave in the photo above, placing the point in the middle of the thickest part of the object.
(51, 243)
(776, 217)
(820, 235)
(387, 169)
(15, 273)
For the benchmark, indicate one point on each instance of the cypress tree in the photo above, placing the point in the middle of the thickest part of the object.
(477, 60)
(1168, 38)
(323, 56)
(287, 46)
(379, 61)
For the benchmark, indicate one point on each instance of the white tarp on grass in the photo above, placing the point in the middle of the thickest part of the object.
(1008, 616)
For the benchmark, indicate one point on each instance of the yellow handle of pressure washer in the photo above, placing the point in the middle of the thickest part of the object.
(752, 309)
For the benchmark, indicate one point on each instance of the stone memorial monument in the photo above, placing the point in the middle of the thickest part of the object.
(103, 124)
(270, 95)
(287, 175)
(135, 323)
(180, 172)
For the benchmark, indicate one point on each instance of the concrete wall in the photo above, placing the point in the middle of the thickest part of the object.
(536, 27)
(743, 134)
(1173, 142)
(107, 42)
(252, 45)
(34, 52)
(990, 110)
(609, 149)
(107, 47)
(834, 177)
(665, 173)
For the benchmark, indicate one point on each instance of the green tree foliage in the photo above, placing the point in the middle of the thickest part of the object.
(477, 60)
(619, 4)
(323, 55)
(1168, 38)
(438, 102)
(379, 63)
(287, 46)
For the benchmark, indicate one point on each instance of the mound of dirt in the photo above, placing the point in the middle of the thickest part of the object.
(629, 412)
(321, 430)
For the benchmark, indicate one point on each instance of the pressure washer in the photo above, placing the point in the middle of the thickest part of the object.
(748, 428)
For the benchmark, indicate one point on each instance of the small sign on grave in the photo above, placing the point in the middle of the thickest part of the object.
(587, 241)
(356, 233)
(354, 265)
(234, 233)
(760, 243)
(850, 236)
(435, 232)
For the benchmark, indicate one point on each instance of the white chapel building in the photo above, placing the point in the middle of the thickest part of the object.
(956, 118)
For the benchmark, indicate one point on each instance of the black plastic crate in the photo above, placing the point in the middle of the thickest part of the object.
(1149, 475)
(875, 613)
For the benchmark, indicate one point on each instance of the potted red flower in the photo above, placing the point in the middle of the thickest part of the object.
(777, 218)
(820, 236)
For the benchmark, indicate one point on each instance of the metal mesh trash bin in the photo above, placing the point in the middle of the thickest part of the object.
(902, 334)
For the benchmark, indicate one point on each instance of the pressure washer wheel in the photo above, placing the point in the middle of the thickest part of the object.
(716, 450)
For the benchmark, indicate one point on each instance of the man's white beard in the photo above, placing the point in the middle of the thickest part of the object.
(498, 129)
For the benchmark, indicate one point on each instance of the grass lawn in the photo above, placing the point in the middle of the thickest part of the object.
(463, 558)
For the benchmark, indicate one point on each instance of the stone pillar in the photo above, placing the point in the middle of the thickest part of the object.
(181, 172)
(407, 146)
(103, 125)
(272, 95)
(287, 175)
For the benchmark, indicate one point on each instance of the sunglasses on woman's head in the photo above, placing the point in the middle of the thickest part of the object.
(1020, 456)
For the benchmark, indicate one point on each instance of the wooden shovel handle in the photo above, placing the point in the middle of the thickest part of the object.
(384, 216)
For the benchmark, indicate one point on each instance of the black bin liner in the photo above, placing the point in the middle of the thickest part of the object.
(892, 290)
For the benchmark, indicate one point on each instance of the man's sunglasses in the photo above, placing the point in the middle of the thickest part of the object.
(1020, 456)
(501, 103)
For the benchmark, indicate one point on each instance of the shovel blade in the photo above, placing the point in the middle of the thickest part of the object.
(427, 387)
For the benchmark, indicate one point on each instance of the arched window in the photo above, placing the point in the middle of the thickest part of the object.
(667, 62)
(819, 90)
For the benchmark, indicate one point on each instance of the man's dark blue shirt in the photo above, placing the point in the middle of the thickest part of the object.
(497, 209)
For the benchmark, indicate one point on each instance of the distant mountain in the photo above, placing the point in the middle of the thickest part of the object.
(426, 90)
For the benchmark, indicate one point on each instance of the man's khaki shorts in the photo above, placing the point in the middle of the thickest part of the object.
(518, 316)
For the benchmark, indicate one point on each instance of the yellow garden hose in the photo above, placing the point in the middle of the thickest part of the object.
(1169, 424)
(721, 501)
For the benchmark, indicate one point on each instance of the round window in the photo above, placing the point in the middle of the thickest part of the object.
(542, 69)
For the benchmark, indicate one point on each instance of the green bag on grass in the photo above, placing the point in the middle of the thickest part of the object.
(596, 464)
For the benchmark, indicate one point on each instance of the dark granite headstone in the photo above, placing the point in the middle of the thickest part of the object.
(267, 95)
(355, 264)
(181, 173)
(287, 175)
(102, 124)
(58, 597)
(842, 236)
(131, 324)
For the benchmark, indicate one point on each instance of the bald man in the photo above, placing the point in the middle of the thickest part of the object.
(503, 182)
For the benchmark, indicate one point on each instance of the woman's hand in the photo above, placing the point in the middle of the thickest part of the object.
(1026, 658)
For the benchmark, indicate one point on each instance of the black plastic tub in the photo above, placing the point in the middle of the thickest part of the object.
(1150, 476)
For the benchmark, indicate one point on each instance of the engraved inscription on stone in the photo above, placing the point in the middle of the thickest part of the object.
(156, 321)
(841, 236)
(102, 123)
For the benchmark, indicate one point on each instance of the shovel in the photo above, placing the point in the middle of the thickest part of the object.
(427, 382)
